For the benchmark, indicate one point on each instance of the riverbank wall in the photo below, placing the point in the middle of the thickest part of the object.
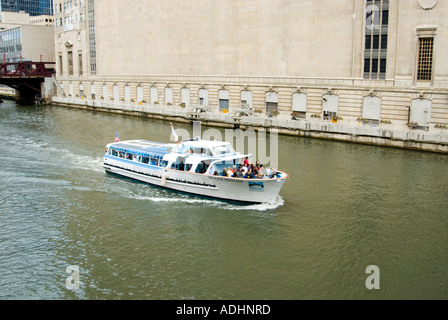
(350, 131)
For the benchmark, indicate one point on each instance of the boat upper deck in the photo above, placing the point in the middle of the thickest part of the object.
(211, 149)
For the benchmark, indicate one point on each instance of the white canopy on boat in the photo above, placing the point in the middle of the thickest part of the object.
(171, 157)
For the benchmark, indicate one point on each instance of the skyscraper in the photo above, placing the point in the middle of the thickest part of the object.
(33, 7)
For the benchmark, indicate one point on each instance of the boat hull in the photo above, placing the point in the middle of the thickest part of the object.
(250, 191)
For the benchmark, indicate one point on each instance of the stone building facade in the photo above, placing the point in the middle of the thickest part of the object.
(359, 62)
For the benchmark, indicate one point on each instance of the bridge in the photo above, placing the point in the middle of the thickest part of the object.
(25, 77)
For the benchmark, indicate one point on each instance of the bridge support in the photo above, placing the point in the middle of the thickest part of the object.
(25, 77)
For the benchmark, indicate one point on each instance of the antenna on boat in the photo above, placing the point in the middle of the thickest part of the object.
(176, 138)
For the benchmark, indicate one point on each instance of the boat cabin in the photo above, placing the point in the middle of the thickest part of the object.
(195, 156)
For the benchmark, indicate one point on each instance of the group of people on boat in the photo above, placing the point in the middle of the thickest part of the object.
(247, 170)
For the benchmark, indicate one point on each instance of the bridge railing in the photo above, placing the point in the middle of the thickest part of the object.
(26, 69)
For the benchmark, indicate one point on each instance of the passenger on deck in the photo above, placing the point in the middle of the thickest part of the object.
(224, 172)
(229, 172)
(216, 173)
(181, 166)
(262, 172)
(239, 173)
(254, 170)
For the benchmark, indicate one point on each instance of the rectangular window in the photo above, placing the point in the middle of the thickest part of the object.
(368, 42)
(223, 105)
(376, 42)
(385, 18)
(92, 37)
(328, 115)
(70, 62)
(271, 107)
(425, 59)
(367, 65)
(384, 41)
(375, 66)
(376, 32)
(382, 65)
(61, 70)
(80, 63)
(224, 98)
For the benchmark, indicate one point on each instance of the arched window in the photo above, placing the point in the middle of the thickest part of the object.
(139, 94)
(185, 97)
(203, 97)
(154, 97)
(371, 110)
(420, 113)
(115, 92)
(299, 104)
(168, 95)
(105, 92)
(93, 91)
(246, 98)
(330, 106)
(271, 102)
(127, 94)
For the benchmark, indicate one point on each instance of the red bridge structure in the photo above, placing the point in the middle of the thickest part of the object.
(26, 77)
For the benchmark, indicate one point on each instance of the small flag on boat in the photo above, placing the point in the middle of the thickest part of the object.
(117, 139)
(176, 138)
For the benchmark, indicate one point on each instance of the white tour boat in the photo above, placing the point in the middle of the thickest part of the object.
(195, 167)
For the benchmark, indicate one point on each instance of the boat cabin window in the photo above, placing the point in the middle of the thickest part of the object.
(201, 167)
(163, 163)
(145, 159)
(199, 151)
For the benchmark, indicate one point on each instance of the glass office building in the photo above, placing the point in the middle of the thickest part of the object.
(33, 7)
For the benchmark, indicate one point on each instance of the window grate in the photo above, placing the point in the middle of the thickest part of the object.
(425, 59)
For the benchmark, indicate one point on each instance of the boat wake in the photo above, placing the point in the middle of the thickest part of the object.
(87, 163)
(73, 160)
